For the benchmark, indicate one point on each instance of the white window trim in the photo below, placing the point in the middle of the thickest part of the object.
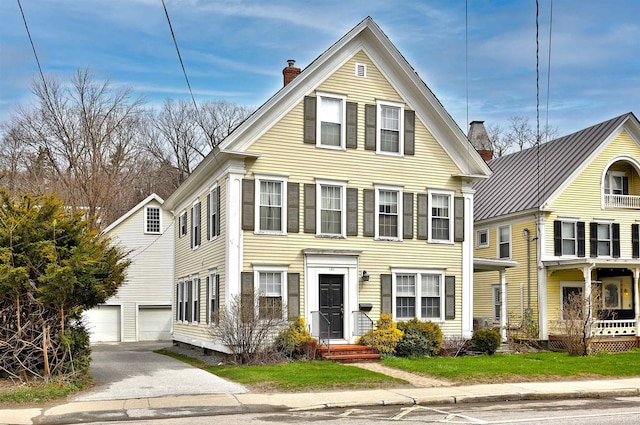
(283, 221)
(180, 301)
(343, 207)
(272, 269)
(568, 284)
(343, 120)
(609, 223)
(498, 241)
(379, 104)
(195, 279)
(450, 194)
(575, 239)
(478, 243)
(211, 290)
(364, 67)
(182, 215)
(398, 189)
(146, 229)
(193, 224)
(418, 304)
(495, 301)
(212, 211)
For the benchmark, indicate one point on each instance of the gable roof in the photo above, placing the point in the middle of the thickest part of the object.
(514, 185)
(366, 36)
(141, 204)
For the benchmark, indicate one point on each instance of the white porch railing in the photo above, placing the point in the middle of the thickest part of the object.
(622, 201)
(600, 327)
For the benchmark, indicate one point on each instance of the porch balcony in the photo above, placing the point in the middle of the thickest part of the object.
(622, 201)
(603, 328)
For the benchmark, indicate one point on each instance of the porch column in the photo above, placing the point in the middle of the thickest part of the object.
(586, 271)
(636, 299)
(503, 305)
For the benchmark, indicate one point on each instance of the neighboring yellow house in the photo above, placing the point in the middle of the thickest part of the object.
(567, 216)
(348, 193)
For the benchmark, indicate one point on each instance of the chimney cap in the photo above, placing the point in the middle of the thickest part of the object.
(291, 62)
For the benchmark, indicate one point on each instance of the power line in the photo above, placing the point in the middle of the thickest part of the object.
(33, 47)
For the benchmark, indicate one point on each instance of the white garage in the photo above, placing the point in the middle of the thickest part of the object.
(103, 323)
(154, 323)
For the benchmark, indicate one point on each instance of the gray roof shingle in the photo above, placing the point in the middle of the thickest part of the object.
(514, 185)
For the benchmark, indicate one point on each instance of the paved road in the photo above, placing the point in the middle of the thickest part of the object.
(132, 370)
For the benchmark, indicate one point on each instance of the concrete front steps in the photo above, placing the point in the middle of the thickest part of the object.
(348, 353)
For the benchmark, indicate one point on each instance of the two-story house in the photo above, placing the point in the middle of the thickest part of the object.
(141, 310)
(567, 214)
(348, 193)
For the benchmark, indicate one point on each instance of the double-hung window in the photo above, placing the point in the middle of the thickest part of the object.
(212, 296)
(604, 239)
(440, 216)
(271, 291)
(616, 183)
(504, 242)
(331, 119)
(331, 217)
(214, 208)
(482, 238)
(569, 238)
(418, 295)
(152, 220)
(271, 205)
(194, 299)
(389, 213)
(390, 128)
(180, 301)
(182, 224)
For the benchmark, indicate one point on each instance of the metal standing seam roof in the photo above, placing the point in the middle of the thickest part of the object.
(514, 185)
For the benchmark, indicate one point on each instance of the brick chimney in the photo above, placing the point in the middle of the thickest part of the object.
(480, 140)
(290, 72)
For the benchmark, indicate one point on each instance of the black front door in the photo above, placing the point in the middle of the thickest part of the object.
(332, 306)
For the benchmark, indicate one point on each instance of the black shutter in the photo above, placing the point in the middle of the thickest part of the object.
(217, 305)
(208, 213)
(310, 208)
(369, 212)
(593, 239)
(370, 113)
(199, 289)
(635, 240)
(192, 233)
(409, 132)
(615, 240)
(352, 211)
(248, 208)
(625, 185)
(293, 295)
(178, 303)
(557, 238)
(449, 297)
(386, 294)
(217, 223)
(352, 125)
(310, 120)
(189, 295)
(423, 216)
(293, 207)
(246, 297)
(198, 224)
(581, 238)
(407, 212)
(458, 219)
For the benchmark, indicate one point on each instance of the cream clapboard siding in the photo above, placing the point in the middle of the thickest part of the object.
(282, 152)
(582, 198)
(149, 277)
(517, 284)
(210, 255)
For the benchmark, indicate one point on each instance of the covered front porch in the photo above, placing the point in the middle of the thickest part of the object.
(607, 297)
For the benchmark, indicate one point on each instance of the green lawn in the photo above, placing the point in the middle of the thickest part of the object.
(543, 366)
(297, 376)
(38, 393)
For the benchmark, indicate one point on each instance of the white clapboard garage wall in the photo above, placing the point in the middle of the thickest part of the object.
(141, 310)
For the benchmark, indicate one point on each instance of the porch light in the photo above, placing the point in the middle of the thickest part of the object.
(365, 276)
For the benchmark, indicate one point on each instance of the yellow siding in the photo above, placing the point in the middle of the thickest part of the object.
(582, 198)
(517, 282)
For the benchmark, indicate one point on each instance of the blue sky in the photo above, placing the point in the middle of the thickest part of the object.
(236, 49)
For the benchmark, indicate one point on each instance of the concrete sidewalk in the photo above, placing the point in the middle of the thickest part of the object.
(158, 407)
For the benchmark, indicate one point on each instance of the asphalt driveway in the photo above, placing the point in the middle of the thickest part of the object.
(132, 370)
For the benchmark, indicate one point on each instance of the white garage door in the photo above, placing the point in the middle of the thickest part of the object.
(154, 323)
(103, 323)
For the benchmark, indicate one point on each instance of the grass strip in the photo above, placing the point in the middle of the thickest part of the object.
(39, 392)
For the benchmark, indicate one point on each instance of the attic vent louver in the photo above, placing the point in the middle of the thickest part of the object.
(361, 70)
